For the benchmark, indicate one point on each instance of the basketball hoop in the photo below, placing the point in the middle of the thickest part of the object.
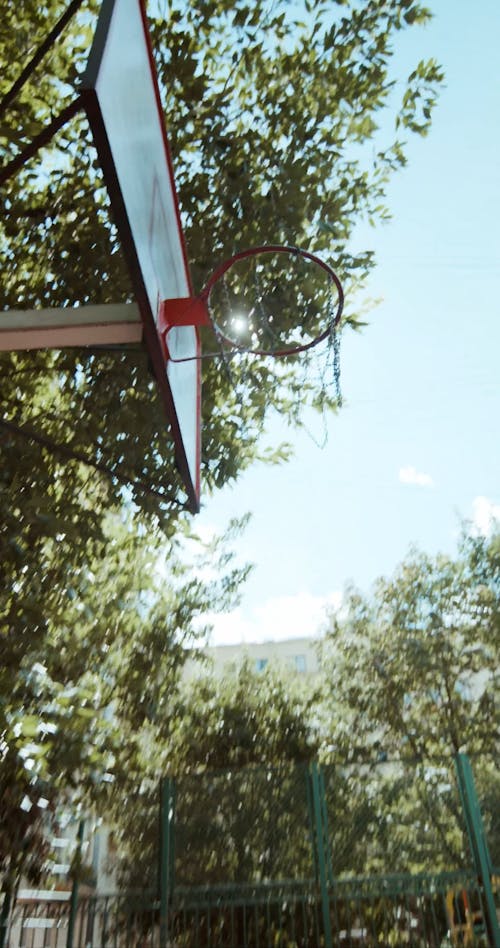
(333, 317)
(248, 312)
(251, 303)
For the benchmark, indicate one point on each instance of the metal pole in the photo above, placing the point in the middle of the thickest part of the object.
(324, 817)
(4, 916)
(310, 814)
(165, 875)
(321, 856)
(73, 905)
(478, 843)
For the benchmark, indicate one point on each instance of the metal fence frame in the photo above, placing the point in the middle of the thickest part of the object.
(422, 910)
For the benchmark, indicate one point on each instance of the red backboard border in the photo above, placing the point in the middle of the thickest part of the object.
(154, 346)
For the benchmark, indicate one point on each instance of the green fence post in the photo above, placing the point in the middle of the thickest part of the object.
(320, 854)
(171, 839)
(310, 822)
(324, 817)
(478, 843)
(73, 904)
(166, 862)
(4, 916)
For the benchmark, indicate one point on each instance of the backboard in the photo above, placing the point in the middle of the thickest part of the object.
(122, 101)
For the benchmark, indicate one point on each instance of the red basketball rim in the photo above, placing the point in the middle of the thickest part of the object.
(266, 249)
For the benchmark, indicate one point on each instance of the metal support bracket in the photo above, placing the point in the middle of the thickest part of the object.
(185, 311)
(108, 324)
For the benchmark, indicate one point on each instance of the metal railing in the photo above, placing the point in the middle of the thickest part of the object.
(420, 911)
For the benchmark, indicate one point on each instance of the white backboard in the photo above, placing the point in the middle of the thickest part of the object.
(122, 101)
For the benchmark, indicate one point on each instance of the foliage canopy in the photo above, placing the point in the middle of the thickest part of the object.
(410, 680)
(272, 114)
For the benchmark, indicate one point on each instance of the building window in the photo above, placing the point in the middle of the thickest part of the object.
(260, 664)
(300, 663)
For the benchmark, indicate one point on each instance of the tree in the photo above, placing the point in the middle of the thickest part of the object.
(270, 120)
(411, 677)
(238, 754)
(87, 691)
(415, 667)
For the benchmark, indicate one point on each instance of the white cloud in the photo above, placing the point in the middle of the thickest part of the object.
(410, 475)
(485, 514)
(283, 617)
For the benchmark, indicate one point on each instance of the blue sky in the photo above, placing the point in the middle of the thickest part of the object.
(415, 450)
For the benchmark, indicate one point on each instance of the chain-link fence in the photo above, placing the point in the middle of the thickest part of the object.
(394, 817)
(487, 779)
(243, 826)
